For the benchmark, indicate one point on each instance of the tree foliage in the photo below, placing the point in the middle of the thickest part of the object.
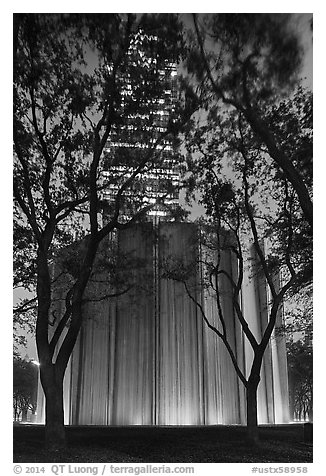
(250, 159)
(227, 162)
(25, 384)
(300, 380)
(247, 63)
(78, 78)
(298, 331)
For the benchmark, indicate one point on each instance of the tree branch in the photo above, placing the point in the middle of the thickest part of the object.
(220, 335)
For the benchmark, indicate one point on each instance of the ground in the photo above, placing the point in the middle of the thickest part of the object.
(213, 444)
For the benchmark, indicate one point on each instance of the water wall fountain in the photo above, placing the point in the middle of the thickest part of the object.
(147, 358)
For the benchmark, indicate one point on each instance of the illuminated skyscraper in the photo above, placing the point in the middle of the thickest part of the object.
(143, 127)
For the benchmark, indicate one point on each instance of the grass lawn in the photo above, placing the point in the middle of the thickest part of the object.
(137, 444)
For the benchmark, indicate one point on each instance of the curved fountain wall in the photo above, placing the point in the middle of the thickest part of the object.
(147, 358)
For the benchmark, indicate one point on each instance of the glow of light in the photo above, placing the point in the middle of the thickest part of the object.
(35, 362)
(173, 73)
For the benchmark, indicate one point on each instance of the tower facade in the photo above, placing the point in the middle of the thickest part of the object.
(142, 133)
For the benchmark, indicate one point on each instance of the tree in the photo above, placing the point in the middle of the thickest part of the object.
(250, 200)
(300, 379)
(70, 97)
(251, 62)
(298, 332)
(25, 375)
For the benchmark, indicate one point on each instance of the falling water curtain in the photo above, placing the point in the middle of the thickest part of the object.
(147, 358)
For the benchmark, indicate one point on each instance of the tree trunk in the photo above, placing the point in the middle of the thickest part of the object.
(51, 378)
(16, 412)
(51, 374)
(310, 412)
(55, 437)
(252, 419)
(24, 415)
